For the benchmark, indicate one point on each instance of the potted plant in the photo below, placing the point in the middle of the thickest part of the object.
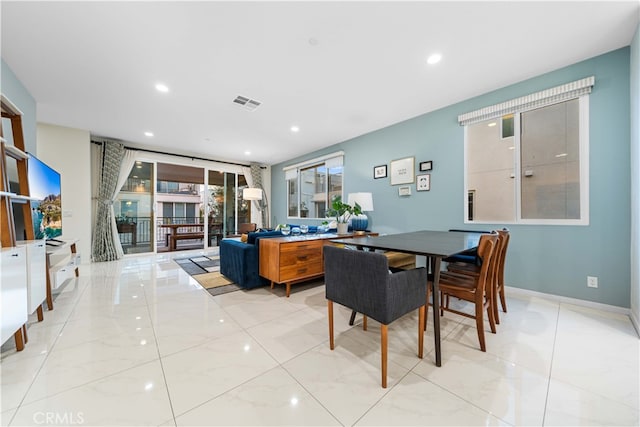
(342, 212)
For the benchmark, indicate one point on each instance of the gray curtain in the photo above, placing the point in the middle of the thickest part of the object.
(103, 245)
(263, 206)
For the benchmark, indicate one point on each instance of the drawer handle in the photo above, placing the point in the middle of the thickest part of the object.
(16, 255)
(303, 257)
(302, 270)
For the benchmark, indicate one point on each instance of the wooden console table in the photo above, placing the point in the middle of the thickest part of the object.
(294, 259)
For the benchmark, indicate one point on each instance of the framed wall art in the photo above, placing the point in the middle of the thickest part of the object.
(423, 182)
(426, 166)
(404, 191)
(402, 171)
(380, 171)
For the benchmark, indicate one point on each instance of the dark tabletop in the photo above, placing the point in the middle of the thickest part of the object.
(429, 243)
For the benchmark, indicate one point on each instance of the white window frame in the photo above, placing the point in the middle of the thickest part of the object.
(583, 141)
(329, 161)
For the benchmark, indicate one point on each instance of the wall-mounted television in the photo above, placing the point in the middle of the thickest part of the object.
(46, 211)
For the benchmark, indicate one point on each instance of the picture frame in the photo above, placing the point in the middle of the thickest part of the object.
(426, 166)
(402, 171)
(379, 171)
(423, 182)
(404, 191)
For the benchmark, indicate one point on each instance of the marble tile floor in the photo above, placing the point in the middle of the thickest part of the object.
(139, 342)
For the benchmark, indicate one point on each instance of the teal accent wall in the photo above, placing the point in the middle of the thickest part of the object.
(549, 259)
(13, 89)
(635, 179)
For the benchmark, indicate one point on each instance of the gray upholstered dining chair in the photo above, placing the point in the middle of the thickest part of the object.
(362, 282)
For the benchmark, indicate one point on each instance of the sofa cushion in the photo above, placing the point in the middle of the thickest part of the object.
(251, 239)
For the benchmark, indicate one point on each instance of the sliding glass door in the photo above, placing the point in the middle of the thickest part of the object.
(133, 208)
(167, 207)
(226, 207)
(180, 207)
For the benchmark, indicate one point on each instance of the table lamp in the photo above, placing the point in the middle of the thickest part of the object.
(359, 223)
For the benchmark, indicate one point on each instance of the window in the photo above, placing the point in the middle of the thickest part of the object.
(178, 212)
(312, 184)
(528, 163)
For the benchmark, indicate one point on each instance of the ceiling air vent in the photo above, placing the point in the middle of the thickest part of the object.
(248, 103)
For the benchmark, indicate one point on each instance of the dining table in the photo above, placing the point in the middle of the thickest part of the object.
(435, 246)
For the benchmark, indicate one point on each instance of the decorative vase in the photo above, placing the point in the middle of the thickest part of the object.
(343, 228)
(359, 222)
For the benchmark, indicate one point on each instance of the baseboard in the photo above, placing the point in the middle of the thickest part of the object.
(635, 321)
(574, 301)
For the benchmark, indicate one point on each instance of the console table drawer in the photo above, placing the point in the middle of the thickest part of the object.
(296, 271)
(299, 254)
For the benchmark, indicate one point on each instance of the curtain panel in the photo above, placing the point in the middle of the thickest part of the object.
(262, 205)
(104, 245)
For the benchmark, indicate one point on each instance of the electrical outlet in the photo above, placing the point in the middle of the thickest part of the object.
(592, 282)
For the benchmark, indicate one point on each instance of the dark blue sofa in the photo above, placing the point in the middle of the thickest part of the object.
(239, 261)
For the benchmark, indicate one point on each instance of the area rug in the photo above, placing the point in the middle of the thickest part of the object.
(205, 269)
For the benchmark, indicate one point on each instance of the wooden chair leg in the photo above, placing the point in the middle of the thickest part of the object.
(503, 300)
(330, 311)
(364, 323)
(493, 298)
(492, 321)
(422, 312)
(480, 325)
(488, 302)
(40, 313)
(383, 351)
(426, 313)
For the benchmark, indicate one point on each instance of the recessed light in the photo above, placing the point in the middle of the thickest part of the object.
(149, 134)
(161, 87)
(434, 59)
(295, 129)
(492, 124)
(247, 153)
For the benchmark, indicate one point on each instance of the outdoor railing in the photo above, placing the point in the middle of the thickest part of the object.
(141, 226)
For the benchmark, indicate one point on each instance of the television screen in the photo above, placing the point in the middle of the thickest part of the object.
(46, 211)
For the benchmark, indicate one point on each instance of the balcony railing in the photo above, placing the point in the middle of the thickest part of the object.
(136, 231)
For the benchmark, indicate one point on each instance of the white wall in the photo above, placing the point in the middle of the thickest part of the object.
(68, 152)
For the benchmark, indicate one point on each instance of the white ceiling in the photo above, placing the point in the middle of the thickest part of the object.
(335, 69)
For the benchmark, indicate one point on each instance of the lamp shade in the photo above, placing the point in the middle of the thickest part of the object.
(252, 193)
(365, 200)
